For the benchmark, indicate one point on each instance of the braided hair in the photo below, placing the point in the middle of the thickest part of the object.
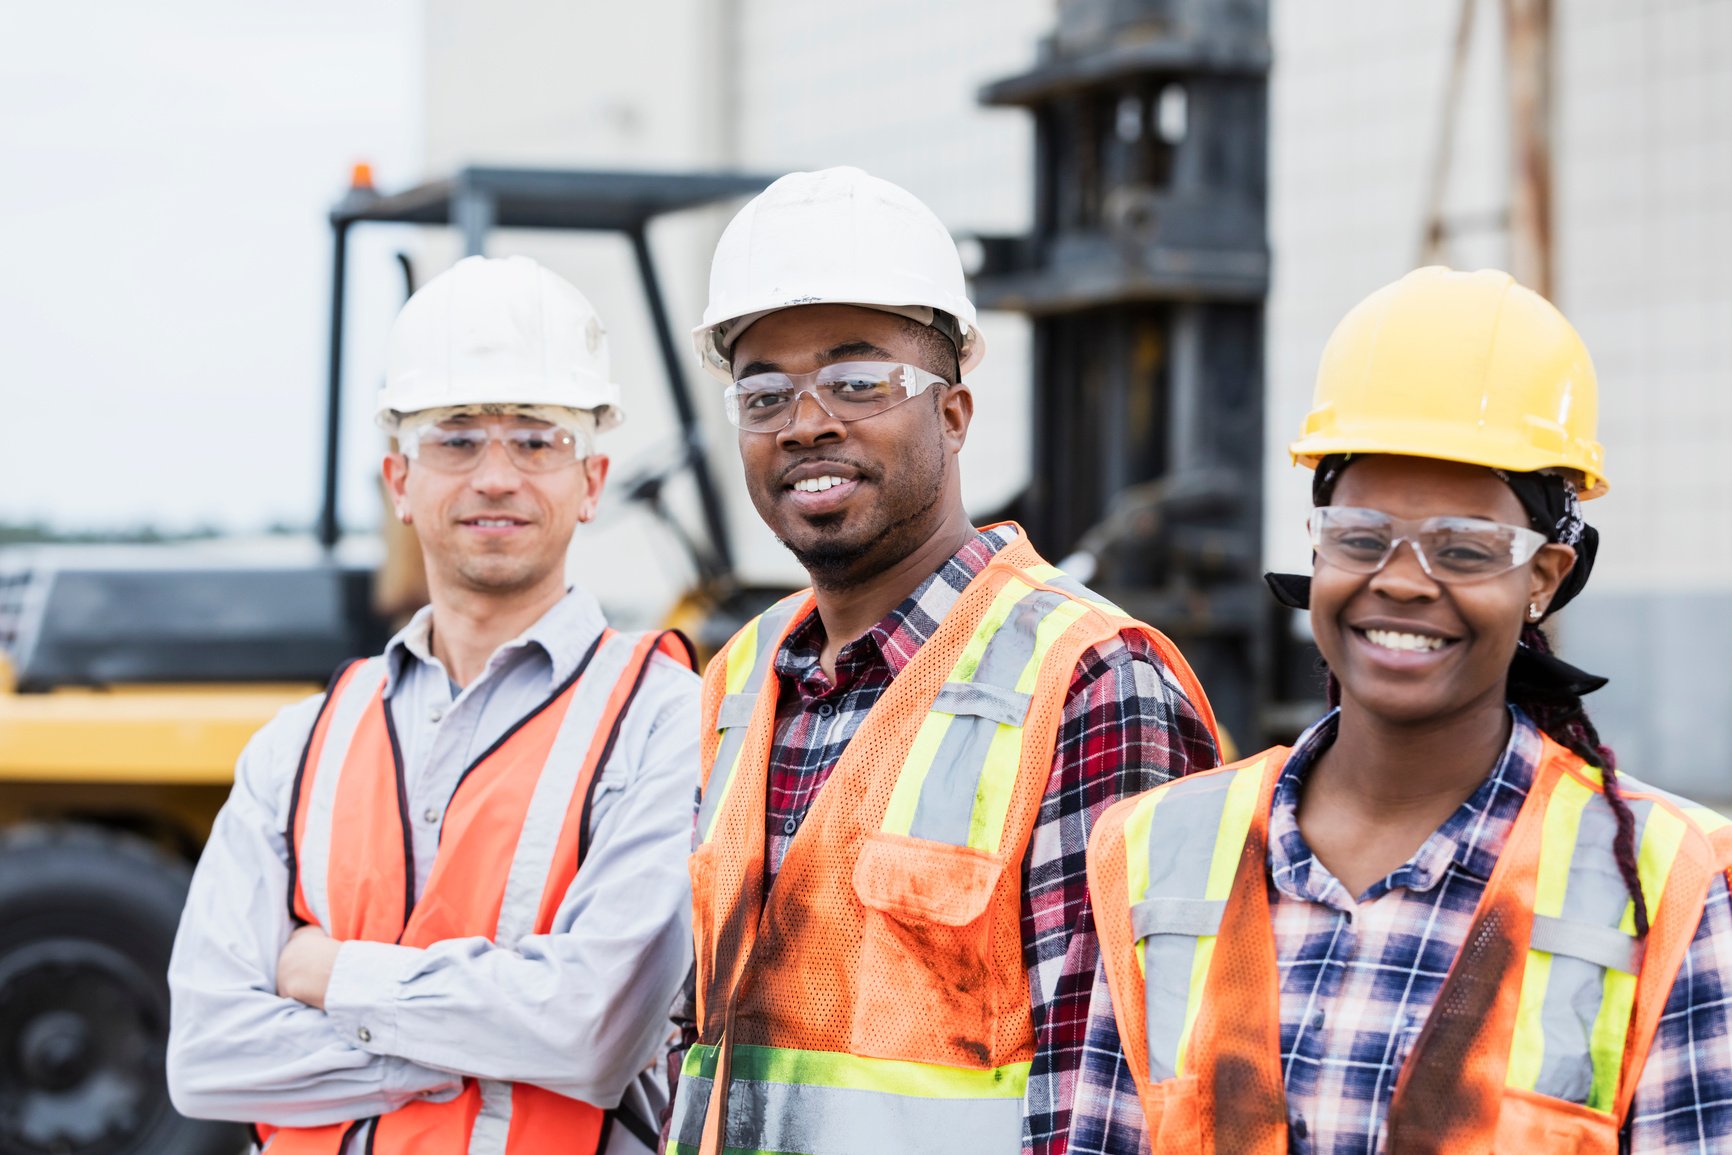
(1561, 715)
(1543, 688)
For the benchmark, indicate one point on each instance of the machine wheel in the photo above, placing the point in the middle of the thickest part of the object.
(87, 919)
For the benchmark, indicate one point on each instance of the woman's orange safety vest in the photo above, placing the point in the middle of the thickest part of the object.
(1538, 1035)
(876, 997)
(513, 837)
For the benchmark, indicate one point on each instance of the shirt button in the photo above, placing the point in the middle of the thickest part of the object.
(1317, 1021)
(825, 709)
(431, 814)
(1300, 1130)
(789, 826)
(364, 1035)
(435, 714)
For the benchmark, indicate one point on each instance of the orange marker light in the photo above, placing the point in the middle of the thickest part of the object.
(361, 176)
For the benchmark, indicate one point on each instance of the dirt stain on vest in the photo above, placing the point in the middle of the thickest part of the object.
(1437, 1108)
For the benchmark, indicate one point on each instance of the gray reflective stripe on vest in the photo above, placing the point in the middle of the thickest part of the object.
(1182, 836)
(1594, 900)
(1191, 917)
(1607, 947)
(733, 717)
(982, 704)
(1063, 581)
(493, 1121)
(807, 1119)
(551, 802)
(313, 855)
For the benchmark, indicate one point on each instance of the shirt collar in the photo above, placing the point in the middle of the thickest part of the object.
(900, 633)
(1469, 840)
(564, 634)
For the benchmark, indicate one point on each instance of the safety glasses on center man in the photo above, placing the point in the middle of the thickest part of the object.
(1450, 549)
(847, 391)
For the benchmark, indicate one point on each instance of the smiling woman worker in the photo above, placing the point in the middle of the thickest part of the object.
(1441, 922)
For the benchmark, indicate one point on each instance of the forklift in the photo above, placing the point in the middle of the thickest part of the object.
(131, 677)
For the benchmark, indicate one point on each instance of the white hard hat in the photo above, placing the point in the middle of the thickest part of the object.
(501, 331)
(837, 236)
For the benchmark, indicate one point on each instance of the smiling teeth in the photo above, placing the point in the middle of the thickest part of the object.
(1391, 640)
(493, 521)
(817, 484)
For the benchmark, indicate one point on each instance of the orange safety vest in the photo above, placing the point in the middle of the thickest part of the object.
(1538, 1036)
(877, 994)
(513, 837)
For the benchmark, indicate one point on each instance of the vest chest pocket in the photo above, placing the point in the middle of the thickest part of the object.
(1170, 1115)
(1529, 1122)
(926, 978)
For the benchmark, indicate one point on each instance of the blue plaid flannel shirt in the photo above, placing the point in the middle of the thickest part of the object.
(1359, 978)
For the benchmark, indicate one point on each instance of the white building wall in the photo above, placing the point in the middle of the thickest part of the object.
(1643, 212)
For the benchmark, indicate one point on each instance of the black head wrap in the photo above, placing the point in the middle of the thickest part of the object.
(1555, 510)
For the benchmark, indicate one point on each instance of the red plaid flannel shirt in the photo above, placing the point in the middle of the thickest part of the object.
(1127, 727)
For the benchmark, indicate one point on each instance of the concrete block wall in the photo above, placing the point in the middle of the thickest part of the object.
(1643, 242)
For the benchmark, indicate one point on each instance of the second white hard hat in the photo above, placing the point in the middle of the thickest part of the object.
(837, 236)
(498, 331)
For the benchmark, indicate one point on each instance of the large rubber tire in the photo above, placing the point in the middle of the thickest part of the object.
(87, 920)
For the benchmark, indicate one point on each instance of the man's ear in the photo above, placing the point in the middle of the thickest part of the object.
(396, 472)
(955, 412)
(595, 471)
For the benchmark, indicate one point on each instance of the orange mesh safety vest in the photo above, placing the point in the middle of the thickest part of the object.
(513, 837)
(877, 994)
(1538, 1035)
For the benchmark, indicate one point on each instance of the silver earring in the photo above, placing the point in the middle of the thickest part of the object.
(1534, 612)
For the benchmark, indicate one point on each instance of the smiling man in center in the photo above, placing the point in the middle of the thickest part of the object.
(901, 766)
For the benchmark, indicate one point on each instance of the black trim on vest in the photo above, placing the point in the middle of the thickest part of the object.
(639, 1129)
(356, 1126)
(402, 821)
(685, 644)
(295, 790)
(582, 665)
(612, 738)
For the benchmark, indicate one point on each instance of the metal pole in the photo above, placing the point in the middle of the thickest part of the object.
(328, 528)
(474, 213)
(715, 522)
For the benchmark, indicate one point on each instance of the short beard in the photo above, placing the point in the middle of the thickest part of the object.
(836, 565)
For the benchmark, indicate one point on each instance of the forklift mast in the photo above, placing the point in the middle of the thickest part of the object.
(1145, 277)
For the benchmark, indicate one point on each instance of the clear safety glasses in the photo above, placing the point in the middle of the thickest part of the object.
(532, 446)
(847, 391)
(1450, 549)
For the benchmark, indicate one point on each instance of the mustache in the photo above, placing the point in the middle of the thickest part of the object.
(865, 471)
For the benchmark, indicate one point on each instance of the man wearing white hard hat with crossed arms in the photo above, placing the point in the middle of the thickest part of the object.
(446, 905)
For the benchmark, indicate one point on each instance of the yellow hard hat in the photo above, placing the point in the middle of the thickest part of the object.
(1467, 367)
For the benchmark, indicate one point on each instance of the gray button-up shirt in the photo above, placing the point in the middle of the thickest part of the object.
(580, 1011)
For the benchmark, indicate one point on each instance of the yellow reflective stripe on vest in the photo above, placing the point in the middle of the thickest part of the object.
(961, 770)
(1558, 842)
(1708, 820)
(1662, 835)
(748, 662)
(828, 1103)
(1174, 907)
(1579, 984)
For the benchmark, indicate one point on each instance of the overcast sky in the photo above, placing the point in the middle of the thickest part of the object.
(163, 290)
